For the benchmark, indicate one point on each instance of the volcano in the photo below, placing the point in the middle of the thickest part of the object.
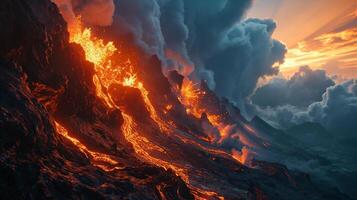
(87, 115)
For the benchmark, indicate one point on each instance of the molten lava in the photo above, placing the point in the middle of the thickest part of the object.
(191, 96)
(103, 161)
(108, 72)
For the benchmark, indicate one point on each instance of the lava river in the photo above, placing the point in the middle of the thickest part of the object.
(156, 141)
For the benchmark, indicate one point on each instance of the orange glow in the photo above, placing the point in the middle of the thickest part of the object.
(145, 149)
(204, 195)
(103, 161)
(185, 68)
(95, 50)
(168, 107)
(106, 73)
(190, 96)
(100, 54)
(243, 157)
(295, 25)
(130, 80)
(339, 48)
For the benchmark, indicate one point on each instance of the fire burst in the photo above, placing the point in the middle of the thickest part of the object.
(107, 73)
(190, 95)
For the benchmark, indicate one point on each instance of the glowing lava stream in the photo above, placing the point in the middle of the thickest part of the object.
(189, 95)
(103, 161)
(142, 146)
(106, 74)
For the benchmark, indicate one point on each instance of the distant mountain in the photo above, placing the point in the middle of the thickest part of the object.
(312, 134)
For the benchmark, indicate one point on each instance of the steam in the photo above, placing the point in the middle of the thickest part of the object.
(92, 12)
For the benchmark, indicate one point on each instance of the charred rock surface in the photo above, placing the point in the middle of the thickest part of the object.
(44, 78)
(130, 100)
(36, 163)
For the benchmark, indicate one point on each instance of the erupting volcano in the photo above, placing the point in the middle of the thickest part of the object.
(89, 114)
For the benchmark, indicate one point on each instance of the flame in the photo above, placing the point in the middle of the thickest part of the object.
(95, 50)
(106, 73)
(100, 54)
(130, 80)
(190, 96)
(243, 157)
(103, 161)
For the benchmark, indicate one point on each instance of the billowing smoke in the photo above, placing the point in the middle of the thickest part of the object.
(309, 96)
(338, 108)
(246, 53)
(92, 12)
(141, 18)
(207, 35)
(205, 39)
(66, 9)
(208, 39)
(304, 88)
(330, 150)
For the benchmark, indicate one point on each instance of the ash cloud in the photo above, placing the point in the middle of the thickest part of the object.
(246, 54)
(337, 109)
(304, 88)
(230, 54)
(141, 18)
(92, 12)
(330, 151)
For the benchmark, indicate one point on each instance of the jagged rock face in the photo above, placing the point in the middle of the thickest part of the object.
(44, 78)
(121, 95)
(36, 163)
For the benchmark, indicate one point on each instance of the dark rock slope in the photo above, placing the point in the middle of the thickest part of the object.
(44, 79)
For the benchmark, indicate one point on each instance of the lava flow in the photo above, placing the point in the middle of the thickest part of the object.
(101, 160)
(88, 112)
(190, 96)
(108, 73)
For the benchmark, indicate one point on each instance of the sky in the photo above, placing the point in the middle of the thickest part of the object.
(318, 33)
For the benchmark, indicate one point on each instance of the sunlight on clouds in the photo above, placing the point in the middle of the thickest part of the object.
(335, 47)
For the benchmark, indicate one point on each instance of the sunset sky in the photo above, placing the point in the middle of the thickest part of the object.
(318, 33)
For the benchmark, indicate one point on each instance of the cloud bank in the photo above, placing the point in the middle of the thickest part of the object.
(309, 97)
(304, 88)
